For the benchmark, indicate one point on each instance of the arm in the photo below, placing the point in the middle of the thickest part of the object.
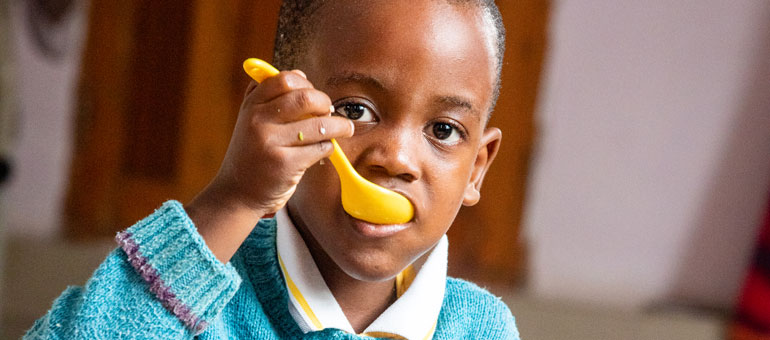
(171, 275)
(161, 283)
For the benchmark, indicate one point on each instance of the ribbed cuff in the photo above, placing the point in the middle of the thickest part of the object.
(166, 250)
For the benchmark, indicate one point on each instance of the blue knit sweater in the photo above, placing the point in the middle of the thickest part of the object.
(164, 283)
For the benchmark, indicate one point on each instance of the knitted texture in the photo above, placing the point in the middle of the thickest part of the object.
(164, 283)
(172, 258)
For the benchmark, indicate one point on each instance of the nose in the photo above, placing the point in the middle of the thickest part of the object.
(394, 153)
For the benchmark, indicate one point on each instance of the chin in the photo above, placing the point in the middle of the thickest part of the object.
(370, 267)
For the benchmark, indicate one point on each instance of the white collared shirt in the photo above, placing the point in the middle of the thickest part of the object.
(412, 316)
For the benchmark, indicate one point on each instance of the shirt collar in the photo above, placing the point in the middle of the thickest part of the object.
(412, 316)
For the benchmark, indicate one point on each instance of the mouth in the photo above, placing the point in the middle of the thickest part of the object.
(371, 230)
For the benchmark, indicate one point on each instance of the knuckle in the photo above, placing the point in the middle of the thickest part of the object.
(276, 154)
(258, 125)
(325, 147)
(320, 126)
(293, 81)
(284, 83)
(302, 99)
(266, 138)
(255, 120)
(263, 133)
(323, 101)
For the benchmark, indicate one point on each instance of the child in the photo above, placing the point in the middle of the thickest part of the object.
(417, 81)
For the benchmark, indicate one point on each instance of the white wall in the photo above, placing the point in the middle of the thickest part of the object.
(46, 92)
(653, 167)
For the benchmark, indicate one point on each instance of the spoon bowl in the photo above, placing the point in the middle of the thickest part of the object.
(361, 198)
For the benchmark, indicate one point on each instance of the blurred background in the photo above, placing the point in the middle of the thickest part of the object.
(626, 203)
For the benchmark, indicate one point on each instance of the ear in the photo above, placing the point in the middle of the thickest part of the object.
(490, 143)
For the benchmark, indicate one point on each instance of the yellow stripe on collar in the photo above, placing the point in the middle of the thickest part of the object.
(298, 295)
(404, 280)
(396, 336)
(383, 335)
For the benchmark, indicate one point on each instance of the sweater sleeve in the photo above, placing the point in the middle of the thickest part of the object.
(471, 312)
(502, 323)
(162, 282)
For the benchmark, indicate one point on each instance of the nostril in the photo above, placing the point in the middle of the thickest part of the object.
(380, 169)
(407, 177)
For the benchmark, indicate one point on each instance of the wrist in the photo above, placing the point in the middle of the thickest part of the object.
(223, 220)
(219, 199)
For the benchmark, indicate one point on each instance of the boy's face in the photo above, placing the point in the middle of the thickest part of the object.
(416, 77)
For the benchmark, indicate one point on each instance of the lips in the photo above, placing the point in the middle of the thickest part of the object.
(371, 230)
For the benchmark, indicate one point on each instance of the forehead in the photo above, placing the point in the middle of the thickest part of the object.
(425, 43)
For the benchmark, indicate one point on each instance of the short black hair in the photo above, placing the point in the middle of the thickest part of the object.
(295, 25)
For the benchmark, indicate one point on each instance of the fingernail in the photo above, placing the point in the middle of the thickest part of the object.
(301, 73)
(331, 108)
(352, 127)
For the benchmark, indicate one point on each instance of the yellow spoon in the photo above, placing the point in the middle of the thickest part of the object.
(362, 199)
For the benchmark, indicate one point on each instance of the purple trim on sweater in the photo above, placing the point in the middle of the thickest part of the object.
(163, 292)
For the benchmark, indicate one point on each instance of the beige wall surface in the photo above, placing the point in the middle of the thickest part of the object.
(652, 169)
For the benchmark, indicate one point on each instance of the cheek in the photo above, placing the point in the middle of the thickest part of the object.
(319, 186)
(447, 184)
(453, 171)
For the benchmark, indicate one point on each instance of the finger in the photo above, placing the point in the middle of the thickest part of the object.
(251, 87)
(305, 156)
(300, 73)
(300, 104)
(278, 85)
(314, 130)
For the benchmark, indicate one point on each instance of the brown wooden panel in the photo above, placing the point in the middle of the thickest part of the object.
(99, 131)
(159, 93)
(159, 64)
(225, 36)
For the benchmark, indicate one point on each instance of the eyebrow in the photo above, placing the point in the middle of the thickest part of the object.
(355, 77)
(454, 101)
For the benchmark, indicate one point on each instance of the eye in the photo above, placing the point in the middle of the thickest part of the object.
(355, 111)
(446, 132)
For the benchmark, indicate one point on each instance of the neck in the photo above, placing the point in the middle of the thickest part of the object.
(361, 301)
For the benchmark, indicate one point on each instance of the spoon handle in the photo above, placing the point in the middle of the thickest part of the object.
(259, 70)
(341, 162)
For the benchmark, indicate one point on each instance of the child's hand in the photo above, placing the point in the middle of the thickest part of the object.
(284, 126)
